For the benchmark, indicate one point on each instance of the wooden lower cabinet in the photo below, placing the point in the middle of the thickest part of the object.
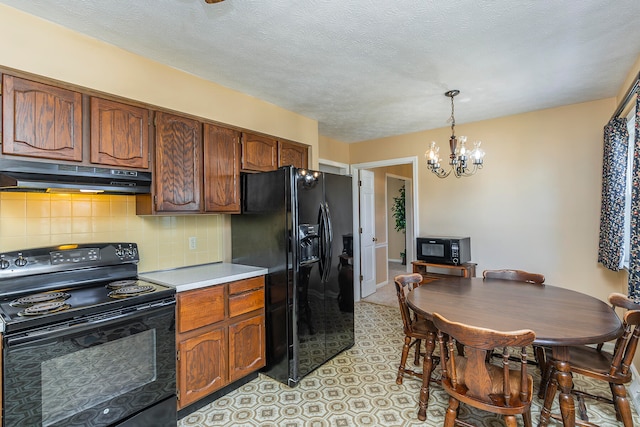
(202, 367)
(246, 347)
(220, 337)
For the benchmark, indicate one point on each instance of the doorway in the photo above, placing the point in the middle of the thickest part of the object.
(382, 213)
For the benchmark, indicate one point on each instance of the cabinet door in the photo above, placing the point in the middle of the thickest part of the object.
(246, 347)
(290, 153)
(178, 168)
(41, 120)
(221, 169)
(259, 153)
(202, 367)
(119, 134)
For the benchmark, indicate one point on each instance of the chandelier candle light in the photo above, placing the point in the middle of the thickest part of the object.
(460, 157)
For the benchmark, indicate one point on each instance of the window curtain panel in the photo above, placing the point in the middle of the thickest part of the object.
(614, 175)
(634, 243)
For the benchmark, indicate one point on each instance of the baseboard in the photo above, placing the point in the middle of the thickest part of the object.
(395, 260)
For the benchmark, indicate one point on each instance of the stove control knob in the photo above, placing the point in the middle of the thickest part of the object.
(21, 261)
(4, 263)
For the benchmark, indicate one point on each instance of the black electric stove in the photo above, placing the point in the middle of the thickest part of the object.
(85, 343)
(68, 283)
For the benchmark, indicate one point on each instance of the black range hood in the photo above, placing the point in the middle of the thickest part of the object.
(40, 177)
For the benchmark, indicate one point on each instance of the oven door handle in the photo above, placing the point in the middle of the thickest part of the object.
(87, 323)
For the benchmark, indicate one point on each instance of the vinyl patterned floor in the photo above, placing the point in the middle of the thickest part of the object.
(358, 388)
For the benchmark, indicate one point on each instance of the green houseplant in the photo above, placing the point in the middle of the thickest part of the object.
(399, 215)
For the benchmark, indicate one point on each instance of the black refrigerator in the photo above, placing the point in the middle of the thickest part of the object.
(298, 224)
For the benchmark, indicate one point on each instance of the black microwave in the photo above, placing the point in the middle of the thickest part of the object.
(444, 250)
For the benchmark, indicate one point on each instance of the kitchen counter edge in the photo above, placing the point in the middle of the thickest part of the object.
(200, 276)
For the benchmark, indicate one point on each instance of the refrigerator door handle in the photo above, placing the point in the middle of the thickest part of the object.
(322, 226)
(329, 242)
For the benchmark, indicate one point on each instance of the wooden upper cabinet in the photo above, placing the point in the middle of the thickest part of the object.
(221, 169)
(178, 166)
(41, 120)
(119, 134)
(292, 153)
(259, 153)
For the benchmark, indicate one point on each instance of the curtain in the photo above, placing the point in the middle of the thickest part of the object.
(634, 243)
(614, 175)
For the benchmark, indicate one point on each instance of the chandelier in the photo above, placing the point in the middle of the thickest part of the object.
(462, 162)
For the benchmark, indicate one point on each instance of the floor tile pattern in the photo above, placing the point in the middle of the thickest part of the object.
(358, 388)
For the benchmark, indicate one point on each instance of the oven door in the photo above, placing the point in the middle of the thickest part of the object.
(112, 369)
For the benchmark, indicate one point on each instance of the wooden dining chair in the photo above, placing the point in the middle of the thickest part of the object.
(596, 363)
(617, 301)
(521, 276)
(472, 380)
(416, 329)
(517, 275)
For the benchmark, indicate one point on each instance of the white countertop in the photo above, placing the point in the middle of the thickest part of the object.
(199, 276)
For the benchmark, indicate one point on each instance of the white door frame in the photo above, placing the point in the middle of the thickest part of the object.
(355, 171)
(344, 167)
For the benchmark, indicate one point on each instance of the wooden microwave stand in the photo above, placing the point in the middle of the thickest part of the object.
(465, 270)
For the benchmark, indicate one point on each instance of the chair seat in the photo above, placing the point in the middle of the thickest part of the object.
(591, 361)
(423, 326)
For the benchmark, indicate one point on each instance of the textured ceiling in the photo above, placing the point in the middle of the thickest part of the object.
(372, 68)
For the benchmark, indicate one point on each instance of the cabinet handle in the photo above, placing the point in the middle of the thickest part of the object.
(248, 291)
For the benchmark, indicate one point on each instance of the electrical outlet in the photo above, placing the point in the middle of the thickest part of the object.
(192, 243)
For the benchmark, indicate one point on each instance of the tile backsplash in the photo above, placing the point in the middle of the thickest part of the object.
(31, 220)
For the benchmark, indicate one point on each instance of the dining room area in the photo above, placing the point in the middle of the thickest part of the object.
(361, 386)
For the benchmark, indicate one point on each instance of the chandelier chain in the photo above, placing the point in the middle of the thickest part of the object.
(453, 118)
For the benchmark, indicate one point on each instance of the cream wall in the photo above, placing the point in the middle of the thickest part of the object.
(39, 47)
(534, 206)
(331, 149)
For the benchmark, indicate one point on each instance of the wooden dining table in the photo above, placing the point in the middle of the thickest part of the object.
(559, 317)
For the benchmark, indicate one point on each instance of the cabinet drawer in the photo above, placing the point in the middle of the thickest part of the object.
(245, 296)
(200, 307)
(241, 286)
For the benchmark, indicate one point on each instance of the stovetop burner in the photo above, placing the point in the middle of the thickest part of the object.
(44, 308)
(130, 291)
(121, 284)
(43, 297)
